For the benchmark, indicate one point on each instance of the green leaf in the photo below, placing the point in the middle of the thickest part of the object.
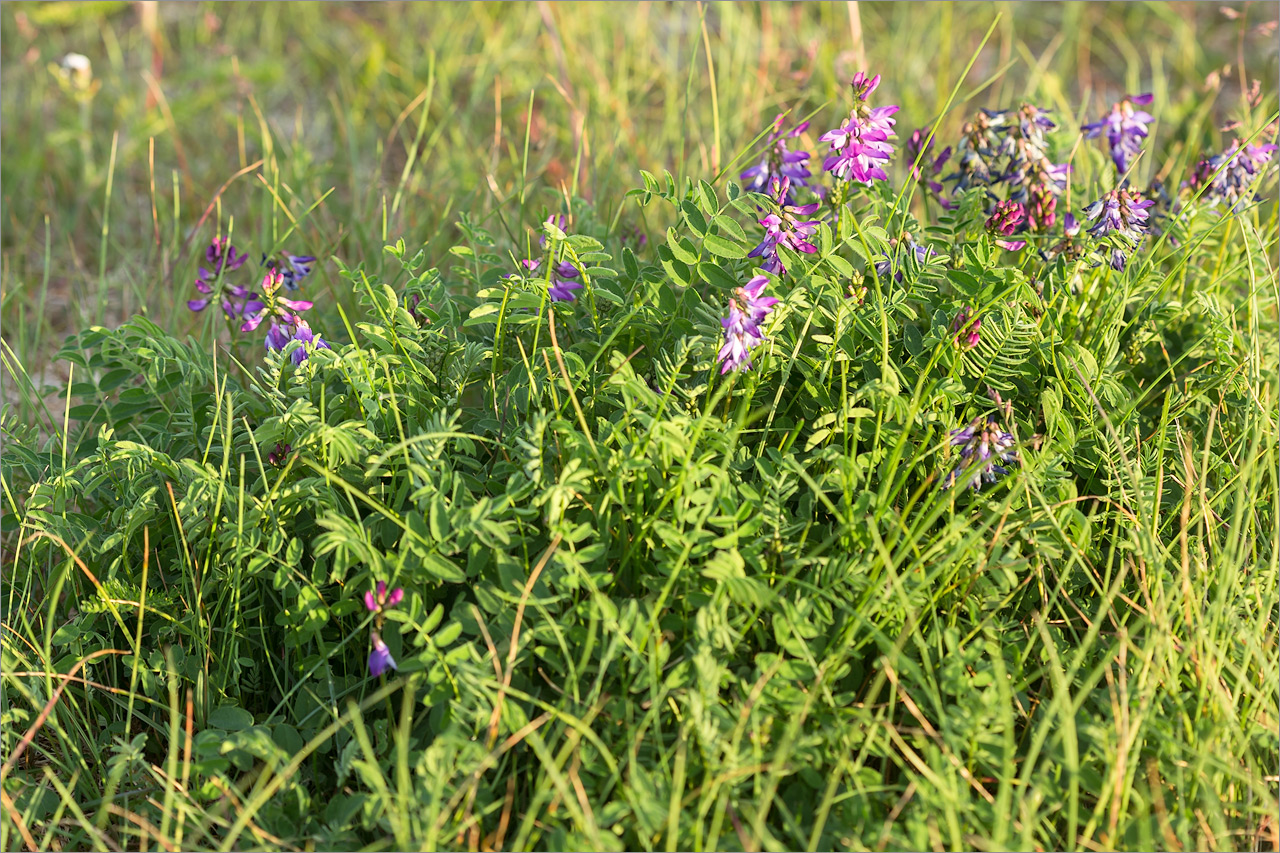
(443, 568)
(723, 247)
(693, 218)
(681, 249)
(729, 227)
(717, 276)
(231, 718)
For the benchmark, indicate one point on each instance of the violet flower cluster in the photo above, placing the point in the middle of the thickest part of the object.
(966, 326)
(286, 323)
(785, 228)
(983, 446)
(1006, 152)
(378, 601)
(1125, 127)
(748, 308)
(251, 309)
(860, 145)
(1230, 176)
(779, 162)
(1119, 224)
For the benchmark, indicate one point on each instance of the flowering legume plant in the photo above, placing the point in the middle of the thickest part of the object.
(816, 500)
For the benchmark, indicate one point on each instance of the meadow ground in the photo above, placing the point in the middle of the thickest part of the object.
(647, 604)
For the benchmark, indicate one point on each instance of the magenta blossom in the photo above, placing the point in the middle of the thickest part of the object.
(785, 229)
(529, 265)
(1042, 208)
(860, 144)
(1007, 219)
(748, 308)
(280, 311)
(966, 326)
(379, 600)
(281, 452)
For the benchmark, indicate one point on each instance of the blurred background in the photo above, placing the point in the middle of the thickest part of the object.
(343, 124)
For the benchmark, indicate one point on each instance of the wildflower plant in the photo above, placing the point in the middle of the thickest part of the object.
(219, 282)
(1119, 224)
(779, 162)
(985, 448)
(748, 309)
(860, 145)
(551, 548)
(1125, 128)
(785, 228)
(1230, 177)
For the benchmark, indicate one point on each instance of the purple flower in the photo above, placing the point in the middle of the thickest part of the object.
(1041, 208)
(784, 229)
(412, 303)
(529, 265)
(1120, 223)
(200, 304)
(1126, 127)
(1230, 175)
(778, 161)
(309, 340)
(966, 327)
(977, 154)
(1007, 219)
(237, 301)
(1010, 147)
(378, 600)
(279, 334)
(562, 286)
(293, 268)
(222, 256)
(748, 308)
(860, 144)
(282, 450)
(982, 444)
(280, 311)
(380, 659)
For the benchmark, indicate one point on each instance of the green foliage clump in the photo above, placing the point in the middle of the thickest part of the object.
(647, 604)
